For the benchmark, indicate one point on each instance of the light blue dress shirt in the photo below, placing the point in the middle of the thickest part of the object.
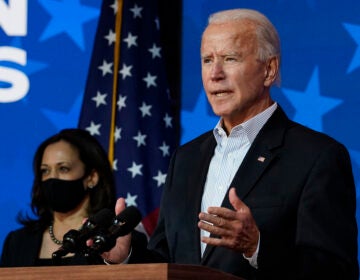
(229, 154)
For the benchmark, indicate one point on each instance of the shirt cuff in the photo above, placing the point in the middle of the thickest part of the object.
(110, 262)
(253, 259)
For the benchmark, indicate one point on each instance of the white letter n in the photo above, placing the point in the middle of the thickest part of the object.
(13, 17)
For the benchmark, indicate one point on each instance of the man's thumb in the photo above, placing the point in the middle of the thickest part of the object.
(235, 200)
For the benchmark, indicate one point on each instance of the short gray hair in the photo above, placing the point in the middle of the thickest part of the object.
(266, 34)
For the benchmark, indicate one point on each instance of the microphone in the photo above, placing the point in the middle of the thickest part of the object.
(122, 225)
(75, 240)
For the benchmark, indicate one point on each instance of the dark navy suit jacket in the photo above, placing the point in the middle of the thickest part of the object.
(302, 197)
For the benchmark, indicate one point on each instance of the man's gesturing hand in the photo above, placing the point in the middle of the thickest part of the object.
(121, 250)
(236, 230)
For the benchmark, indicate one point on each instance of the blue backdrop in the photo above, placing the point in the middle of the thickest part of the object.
(45, 48)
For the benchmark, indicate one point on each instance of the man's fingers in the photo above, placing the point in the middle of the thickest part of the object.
(212, 241)
(213, 229)
(120, 205)
(216, 220)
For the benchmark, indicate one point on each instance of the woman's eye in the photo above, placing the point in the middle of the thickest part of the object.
(44, 171)
(64, 169)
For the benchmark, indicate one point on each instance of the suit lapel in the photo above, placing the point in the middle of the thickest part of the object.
(261, 153)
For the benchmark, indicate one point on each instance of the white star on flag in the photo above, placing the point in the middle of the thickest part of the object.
(94, 129)
(117, 133)
(145, 110)
(131, 200)
(155, 51)
(135, 169)
(125, 71)
(160, 178)
(115, 6)
(165, 149)
(167, 120)
(99, 99)
(121, 102)
(106, 68)
(140, 139)
(111, 37)
(157, 23)
(130, 40)
(114, 165)
(150, 80)
(136, 11)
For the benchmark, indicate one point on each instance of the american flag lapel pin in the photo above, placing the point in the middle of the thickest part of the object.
(261, 158)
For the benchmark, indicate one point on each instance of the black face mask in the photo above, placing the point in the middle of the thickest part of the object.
(62, 195)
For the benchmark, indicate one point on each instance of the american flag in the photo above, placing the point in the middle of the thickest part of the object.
(127, 104)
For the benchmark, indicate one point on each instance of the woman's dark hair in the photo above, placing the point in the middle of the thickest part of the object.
(93, 156)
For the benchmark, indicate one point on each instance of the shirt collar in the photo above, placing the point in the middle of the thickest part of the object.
(251, 127)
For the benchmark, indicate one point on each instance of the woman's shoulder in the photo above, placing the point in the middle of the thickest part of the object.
(20, 247)
(23, 234)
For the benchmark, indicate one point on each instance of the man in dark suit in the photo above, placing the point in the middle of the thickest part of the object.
(260, 196)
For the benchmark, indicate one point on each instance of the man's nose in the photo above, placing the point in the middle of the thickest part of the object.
(217, 71)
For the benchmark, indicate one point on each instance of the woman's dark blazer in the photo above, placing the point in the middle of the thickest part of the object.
(22, 247)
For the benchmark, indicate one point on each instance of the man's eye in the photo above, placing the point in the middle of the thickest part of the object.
(230, 58)
(206, 60)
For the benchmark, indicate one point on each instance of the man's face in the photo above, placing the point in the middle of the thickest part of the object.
(233, 77)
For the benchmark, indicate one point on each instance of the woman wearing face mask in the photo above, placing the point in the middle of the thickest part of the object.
(72, 181)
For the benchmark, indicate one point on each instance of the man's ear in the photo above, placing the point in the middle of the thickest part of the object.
(271, 71)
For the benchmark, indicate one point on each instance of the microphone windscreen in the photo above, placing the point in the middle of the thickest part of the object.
(102, 219)
(122, 225)
(128, 219)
